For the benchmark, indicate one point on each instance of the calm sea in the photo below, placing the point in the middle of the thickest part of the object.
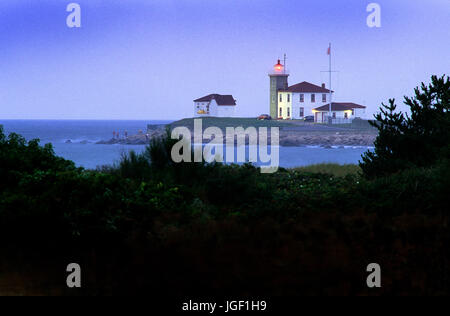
(85, 153)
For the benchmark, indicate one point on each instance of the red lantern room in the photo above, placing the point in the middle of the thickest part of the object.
(278, 67)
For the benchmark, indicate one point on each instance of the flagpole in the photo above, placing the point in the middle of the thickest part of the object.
(329, 107)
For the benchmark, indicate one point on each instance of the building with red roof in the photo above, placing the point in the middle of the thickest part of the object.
(215, 105)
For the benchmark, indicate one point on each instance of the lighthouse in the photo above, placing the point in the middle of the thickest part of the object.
(278, 81)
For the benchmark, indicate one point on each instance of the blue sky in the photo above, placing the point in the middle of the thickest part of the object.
(148, 59)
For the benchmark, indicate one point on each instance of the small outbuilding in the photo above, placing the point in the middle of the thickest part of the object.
(341, 112)
(215, 105)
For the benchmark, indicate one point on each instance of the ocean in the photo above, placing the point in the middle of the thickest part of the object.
(83, 134)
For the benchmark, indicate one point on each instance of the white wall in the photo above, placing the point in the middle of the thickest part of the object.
(361, 113)
(340, 115)
(285, 104)
(294, 104)
(226, 111)
(213, 109)
(307, 104)
(200, 106)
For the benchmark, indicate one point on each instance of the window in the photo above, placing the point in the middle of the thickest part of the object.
(324, 97)
(281, 112)
(302, 98)
(346, 115)
(302, 112)
(289, 98)
(313, 98)
(334, 114)
(288, 111)
(353, 111)
(281, 97)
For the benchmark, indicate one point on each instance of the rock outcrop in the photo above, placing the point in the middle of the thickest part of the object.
(288, 137)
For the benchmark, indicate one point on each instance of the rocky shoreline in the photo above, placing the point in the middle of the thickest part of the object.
(139, 139)
(288, 138)
(326, 139)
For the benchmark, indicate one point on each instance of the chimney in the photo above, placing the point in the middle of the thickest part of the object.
(323, 85)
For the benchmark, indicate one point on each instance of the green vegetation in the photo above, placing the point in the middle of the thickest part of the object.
(149, 226)
(331, 168)
(420, 139)
(223, 122)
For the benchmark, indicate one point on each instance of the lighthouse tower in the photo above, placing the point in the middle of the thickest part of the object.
(278, 81)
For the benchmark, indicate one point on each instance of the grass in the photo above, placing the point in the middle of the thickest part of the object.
(223, 122)
(336, 170)
(357, 124)
(296, 125)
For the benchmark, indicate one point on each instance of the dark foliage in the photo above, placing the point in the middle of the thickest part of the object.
(416, 140)
(149, 226)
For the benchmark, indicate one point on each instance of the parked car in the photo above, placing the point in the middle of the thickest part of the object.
(309, 118)
(264, 117)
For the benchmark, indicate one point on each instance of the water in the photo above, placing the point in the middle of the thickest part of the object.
(90, 155)
(304, 156)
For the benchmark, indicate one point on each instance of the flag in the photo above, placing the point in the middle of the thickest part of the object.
(329, 50)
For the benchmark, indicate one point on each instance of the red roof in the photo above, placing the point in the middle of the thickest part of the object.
(220, 99)
(306, 87)
(339, 106)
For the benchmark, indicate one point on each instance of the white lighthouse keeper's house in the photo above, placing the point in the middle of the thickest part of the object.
(298, 101)
(305, 99)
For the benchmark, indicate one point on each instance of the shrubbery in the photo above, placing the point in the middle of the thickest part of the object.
(150, 226)
(417, 140)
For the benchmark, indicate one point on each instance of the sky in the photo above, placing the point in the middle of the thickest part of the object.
(149, 59)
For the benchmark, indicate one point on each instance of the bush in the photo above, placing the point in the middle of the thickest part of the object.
(416, 140)
(19, 157)
(332, 169)
(146, 225)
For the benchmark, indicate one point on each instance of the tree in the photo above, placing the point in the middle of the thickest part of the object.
(418, 139)
(19, 157)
